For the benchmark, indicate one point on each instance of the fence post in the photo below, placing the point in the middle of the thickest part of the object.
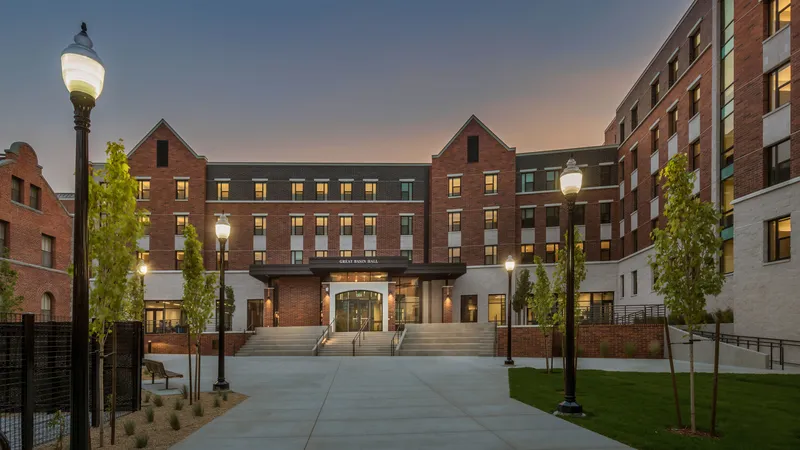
(28, 386)
(137, 369)
(93, 382)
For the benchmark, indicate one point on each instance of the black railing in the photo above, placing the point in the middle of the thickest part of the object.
(776, 348)
(398, 334)
(620, 315)
(323, 337)
(360, 335)
(164, 326)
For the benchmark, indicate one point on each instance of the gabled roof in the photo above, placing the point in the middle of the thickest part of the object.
(172, 130)
(461, 130)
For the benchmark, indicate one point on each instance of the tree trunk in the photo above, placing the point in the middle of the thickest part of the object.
(672, 373)
(100, 388)
(546, 357)
(197, 381)
(563, 358)
(691, 380)
(575, 361)
(189, 355)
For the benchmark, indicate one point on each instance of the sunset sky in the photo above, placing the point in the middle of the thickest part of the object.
(337, 81)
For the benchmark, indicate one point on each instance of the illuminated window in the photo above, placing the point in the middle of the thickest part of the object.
(490, 219)
(370, 191)
(780, 87)
(695, 107)
(345, 253)
(321, 225)
(526, 253)
(490, 183)
(322, 191)
(144, 219)
(180, 224)
(605, 250)
(370, 253)
(223, 188)
(143, 192)
(297, 191)
(259, 190)
(369, 225)
(181, 189)
(551, 253)
(346, 225)
(454, 254)
(490, 254)
(297, 225)
(497, 309)
(454, 186)
(780, 15)
(216, 259)
(259, 226)
(320, 253)
(454, 221)
(179, 260)
(779, 239)
(694, 46)
(726, 263)
(260, 257)
(346, 190)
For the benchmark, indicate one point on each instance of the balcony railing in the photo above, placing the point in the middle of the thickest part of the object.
(164, 327)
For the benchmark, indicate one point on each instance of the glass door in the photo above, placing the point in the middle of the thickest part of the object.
(353, 308)
(255, 314)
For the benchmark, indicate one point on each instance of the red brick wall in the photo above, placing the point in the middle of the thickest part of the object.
(176, 343)
(298, 301)
(26, 227)
(447, 311)
(527, 341)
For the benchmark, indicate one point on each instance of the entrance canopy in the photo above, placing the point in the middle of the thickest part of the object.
(392, 265)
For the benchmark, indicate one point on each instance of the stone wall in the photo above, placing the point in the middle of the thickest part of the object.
(527, 341)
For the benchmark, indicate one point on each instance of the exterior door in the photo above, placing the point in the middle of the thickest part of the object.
(469, 308)
(353, 308)
(255, 314)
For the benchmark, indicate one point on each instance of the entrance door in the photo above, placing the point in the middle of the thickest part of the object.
(469, 308)
(353, 308)
(154, 320)
(255, 314)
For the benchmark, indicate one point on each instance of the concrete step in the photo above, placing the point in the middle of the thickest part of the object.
(415, 338)
(273, 353)
(404, 352)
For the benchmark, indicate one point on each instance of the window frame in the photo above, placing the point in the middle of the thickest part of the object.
(694, 46)
(490, 183)
(408, 254)
(223, 190)
(655, 93)
(654, 188)
(406, 191)
(297, 190)
(778, 171)
(370, 190)
(259, 225)
(554, 184)
(579, 218)
(527, 181)
(634, 117)
(321, 195)
(370, 253)
(655, 139)
(453, 187)
(497, 299)
(634, 282)
(144, 219)
(263, 257)
(320, 253)
(345, 228)
(346, 190)
(774, 14)
(162, 153)
(297, 229)
(406, 225)
(35, 197)
(452, 257)
(370, 229)
(694, 160)
(605, 175)
(262, 187)
(142, 189)
(345, 253)
(548, 216)
(635, 195)
(48, 254)
(605, 253)
(672, 121)
(180, 257)
(320, 229)
(473, 149)
(181, 193)
(694, 106)
(294, 254)
(672, 71)
(551, 252)
(490, 255)
(605, 205)
(4, 237)
(774, 87)
(774, 240)
(490, 219)
(454, 225)
(181, 227)
(527, 257)
(527, 222)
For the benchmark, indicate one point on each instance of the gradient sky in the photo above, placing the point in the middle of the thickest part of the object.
(344, 80)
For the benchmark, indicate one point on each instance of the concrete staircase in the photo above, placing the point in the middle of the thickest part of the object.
(449, 339)
(373, 343)
(281, 341)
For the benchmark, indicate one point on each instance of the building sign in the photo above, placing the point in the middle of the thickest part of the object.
(358, 261)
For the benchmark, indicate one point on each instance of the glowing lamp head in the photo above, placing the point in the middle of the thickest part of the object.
(81, 68)
(141, 267)
(223, 227)
(510, 263)
(571, 178)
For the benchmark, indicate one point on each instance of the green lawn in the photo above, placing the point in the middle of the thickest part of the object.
(753, 411)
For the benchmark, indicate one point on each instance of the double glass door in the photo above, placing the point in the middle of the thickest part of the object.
(354, 308)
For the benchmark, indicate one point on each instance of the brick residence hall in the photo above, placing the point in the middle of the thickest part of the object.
(425, 242)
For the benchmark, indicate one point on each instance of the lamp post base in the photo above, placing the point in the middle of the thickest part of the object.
(222, 385)
(509, 362)
(570, 409)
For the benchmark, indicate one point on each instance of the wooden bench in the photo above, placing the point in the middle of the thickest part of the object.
(156, 368)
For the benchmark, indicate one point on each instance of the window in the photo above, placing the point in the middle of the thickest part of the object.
(47, 306)
(454, 221)
(490, 183)
(490, 219)
(469, 308)
(635, 195)
(454, 187)
(634, 117)
(695, 156)
(726, 263)
(322, 191)
(673, 121)
(259, 226)
(406, 225)
(622, 245)
(778, 163)
(579, 215)
(605, 212)
(222, 190)
(144, 219)
(259, 190)
(551, 253)
(370, 191)
(406, 190)
(526, 182)
(3, 237)
(635, 159)
(655, 93)
(635, 282)
(180, 224)
(622, 208)
(780, 14)
(454, 254)
(260, 257)
(144, 190)
(370, 253)
(526, 253)
(143, 256)
(345, 253)
(695, 107)
(605, 250)
(551, 214)
(779, 239)
(181, 189)
(673, 71)
(369, 225)
(321, 225)
(621, 171)
(472, 149)
(297, 257)
(297, 191)
(551, 180)
(528, 216)
(605, 175)
(654, 185)
(655, 135)
(490, 254)
(727, 140)
(727, 199)
(346, 190)
(320, 254)
(179, 260)
(622, 131)
(635, 238)
(694, 46)
(35, 197)
(162, 153)
(47, 250)
(346, 225)
(780, 87)
(16, 189)
(407, 254)
(653, 227)
(297, 225)
(497, 309)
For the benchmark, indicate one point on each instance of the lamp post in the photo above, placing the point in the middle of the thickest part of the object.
(571, 179)
(83, 74)
(510, 269)
(223, 229)
(141, 269)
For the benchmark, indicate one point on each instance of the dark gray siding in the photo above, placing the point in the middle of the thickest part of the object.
(592, 156)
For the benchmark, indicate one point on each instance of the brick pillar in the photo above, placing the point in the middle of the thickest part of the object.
(447, 311)
(326, 305)
(268, 308)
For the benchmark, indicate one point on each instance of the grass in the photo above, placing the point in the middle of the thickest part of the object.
(637, 409)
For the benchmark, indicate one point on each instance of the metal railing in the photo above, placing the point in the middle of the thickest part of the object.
(397, 339)
(759, 344)
(324, 337)
(620, 315)
(164, 326)
(360, 334)
(495, 336)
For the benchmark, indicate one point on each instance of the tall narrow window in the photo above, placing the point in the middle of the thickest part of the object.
(528, 215)
(635, 282)
(694, 46)
(672, 116)
(35, 197)
(622, 245)
(322, 191)
(454, 221)
(297, 225)
(726, 263)
(605, 212)
(695, 94)
(780, 15)
(181, 189)
(655, 137)
(16, 189)
(454, 186)
(779, 239)
(634, 117)
(551, 180)
(369, 225)
(579, 214)
(454, 254)
(259, 226)
(179, 260)
(605, 175)
(371, 191)
(622, 208)
(655, 93)
(621, 171)
(406, 225)
(472, 149)
(780, 86)
(551, 215)
(653, 186)
(48, 247)
(635, 195)
(490, 254)
(727, 200)
(695, 162)
(622, 131)
(144, 219)
(551, 253)
(490, 183)
(778, 163)
(635, 159)
(407, 254)
(346, 190)
(497, 309)
(406, 190)
(259, 190)
(3, 237)
(346, 225)
(622, 285)
(259, 257)
(526, 253)
(143, 192)
(180, 224)
(321, 225)
(297, 257)
(47, 306)
(490, 219)
(162, 153)
(605, 250)
(223, 188)
(673, 71)
(224, 259)
(635, 239)
(297, 191)
(527, 181)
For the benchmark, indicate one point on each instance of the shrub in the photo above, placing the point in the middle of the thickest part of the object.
(198, 410)
(141, 440)
(174, 422)
(630, 349)
(149, 414)
(216, 402)
(130, 427)
(225, 396)
(724, 315)
(580, 351)
(654, 349)
(147, 396)
(158, 401)
(605, 349)
(184, 392)
(178, 404)
(58, 421)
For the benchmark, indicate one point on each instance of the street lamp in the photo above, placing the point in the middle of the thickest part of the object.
(571, 179)
(510, 269)
(223, 229)
(83, 74)
(141, 269)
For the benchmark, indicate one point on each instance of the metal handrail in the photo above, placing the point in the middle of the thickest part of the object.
(358, 335)
(495, 336)
(321, 341)
(398, 336)
(757, 342)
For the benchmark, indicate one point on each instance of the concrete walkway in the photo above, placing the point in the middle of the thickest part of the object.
(377, 403)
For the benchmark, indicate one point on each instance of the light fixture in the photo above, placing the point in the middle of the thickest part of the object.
(510, 263)
(571, 179)
(223, 227)
(141, 268)
(81, 68)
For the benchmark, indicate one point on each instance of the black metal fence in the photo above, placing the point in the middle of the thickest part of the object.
(621, 315)
(35, 369)
(782, 352)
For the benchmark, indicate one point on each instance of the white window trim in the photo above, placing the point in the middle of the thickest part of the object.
(407, 180)
(672, 106)
(527, 170)
(297, 214)
(552, 204)
(608, 163)
(694, 83)
(222, 179)
(486, 208)
(143, 178)
(260, 180)
(183, 214)
(345, 214)
(321, 214)
(527, 206)
(180, 178)
(655, 78)
(455, 210)
(259, 214)
(297, 180)
(370, 214)
(455, 175)
(491, 172)
(655, 124)
(322, 180)
(407, 214)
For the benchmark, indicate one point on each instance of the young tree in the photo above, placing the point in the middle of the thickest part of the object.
(113, 231)
(522, 293)
(133, 307)
(541, 302)
(686, 253)
(9, 301)
(199, 297)
(230, 307)
(560, 286)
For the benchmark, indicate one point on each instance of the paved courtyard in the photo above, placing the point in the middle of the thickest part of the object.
(377, 403)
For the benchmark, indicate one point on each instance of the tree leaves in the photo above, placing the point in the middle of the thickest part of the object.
(542, 300)
(199, 288)
(9, 301)
(522, 292)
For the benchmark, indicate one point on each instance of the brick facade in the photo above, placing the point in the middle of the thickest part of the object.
(298, 301)
(175, 344)
(528, 342)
